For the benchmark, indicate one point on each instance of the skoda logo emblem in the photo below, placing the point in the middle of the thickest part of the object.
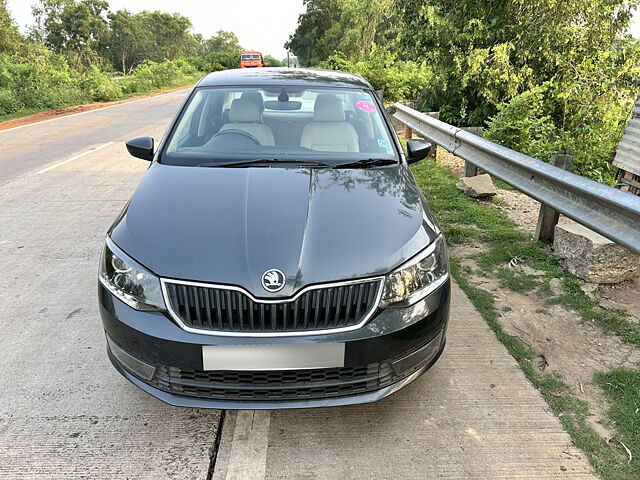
(273, 280)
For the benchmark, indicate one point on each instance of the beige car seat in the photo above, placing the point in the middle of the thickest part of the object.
(245, 115)
(329, 132)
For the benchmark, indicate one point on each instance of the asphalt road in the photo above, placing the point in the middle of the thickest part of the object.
(65, 412)
(29, 147)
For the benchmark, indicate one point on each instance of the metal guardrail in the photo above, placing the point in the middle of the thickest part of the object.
(606, 210)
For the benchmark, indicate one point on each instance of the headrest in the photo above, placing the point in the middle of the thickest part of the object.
(328, 108)
(254, 97)
(244, 111)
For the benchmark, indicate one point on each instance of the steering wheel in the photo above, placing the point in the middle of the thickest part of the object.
(238, 132)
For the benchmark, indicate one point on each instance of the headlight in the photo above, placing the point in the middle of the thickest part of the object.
(418, 277)
(130, 282)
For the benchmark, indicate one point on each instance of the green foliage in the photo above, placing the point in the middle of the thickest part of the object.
(99, 86)
(9, 102)
(10, 39)
(349, 27)
(152, 76)
(622, 386)
(273, 62)
(399, 80)
(223, 41)
(583, 116)
(215, 61)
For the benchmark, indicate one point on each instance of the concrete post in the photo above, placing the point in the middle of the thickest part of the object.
(470, 170)
(548, 217)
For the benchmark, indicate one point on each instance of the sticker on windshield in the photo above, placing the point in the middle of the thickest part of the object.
(383, 143)
(366, 96)
(365, 106)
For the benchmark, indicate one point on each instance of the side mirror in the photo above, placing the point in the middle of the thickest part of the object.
(141, 147)
(417, 150)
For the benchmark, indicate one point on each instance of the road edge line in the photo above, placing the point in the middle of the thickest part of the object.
(70, 159)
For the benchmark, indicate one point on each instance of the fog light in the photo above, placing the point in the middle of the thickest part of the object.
(140, 368)
(420, 357)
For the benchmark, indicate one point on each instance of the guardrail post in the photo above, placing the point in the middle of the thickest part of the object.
(548, 217)
(408, 131)
(470, 170)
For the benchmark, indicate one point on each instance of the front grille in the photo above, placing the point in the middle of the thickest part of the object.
(219, 309)
(274, 385)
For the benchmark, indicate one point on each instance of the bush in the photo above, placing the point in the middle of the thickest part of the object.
(9, 102)
(152, 76)
(551, 119)
(400, 80)
(100, 86)
(216, 61)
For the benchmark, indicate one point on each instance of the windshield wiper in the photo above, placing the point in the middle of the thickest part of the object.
(265, 161)
(367, 163)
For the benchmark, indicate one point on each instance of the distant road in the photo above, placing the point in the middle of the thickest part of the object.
(32, 147)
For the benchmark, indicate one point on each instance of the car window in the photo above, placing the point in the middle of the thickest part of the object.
(279, 122)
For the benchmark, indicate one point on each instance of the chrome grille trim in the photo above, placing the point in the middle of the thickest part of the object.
(262, 302)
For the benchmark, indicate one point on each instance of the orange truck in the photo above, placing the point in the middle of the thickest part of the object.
(251, 59)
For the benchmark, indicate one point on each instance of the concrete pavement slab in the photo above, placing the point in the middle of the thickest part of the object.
(473, 416)
(64, 411)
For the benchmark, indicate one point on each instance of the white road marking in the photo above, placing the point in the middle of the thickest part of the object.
(90, 111)
(248, 456)
(71, 159)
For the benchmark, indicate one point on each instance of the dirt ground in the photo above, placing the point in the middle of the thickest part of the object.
(567, 346)
(523, 210)
(61, 112)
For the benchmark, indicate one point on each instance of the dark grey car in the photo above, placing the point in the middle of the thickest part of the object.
(277, 253)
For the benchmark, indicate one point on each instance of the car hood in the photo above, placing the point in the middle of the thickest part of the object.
(230, 225)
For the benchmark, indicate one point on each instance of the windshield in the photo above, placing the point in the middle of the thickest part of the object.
(328, 126)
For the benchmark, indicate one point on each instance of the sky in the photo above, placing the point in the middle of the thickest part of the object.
(261, 25)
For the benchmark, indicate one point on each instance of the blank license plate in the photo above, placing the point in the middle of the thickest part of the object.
(273, 357)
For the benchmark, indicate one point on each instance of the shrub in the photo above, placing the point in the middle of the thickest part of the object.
(551, 119)
(100, 86)
(152, 76)
(216, 61)
(9, 102)
(400, 80)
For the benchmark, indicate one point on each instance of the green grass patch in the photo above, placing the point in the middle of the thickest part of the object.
(465, 220)
(622, 387)
(517, 281)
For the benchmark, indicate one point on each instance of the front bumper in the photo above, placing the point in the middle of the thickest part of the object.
(390, 351)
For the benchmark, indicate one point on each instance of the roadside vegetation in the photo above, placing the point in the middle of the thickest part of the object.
(466, 221)
(80, 52)
(544, 77)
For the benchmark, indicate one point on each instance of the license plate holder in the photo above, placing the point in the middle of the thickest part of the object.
(299, 356)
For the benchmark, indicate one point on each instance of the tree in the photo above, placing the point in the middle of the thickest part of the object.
(10, 38)
(350, 27)
(172, 36)
(74, 28)
(223, 41)
(273, 62)
(130, 42)
(486, 53)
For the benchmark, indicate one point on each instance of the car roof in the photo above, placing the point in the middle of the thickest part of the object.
(309, 77)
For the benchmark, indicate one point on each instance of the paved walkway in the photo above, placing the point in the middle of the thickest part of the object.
(473, 416)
